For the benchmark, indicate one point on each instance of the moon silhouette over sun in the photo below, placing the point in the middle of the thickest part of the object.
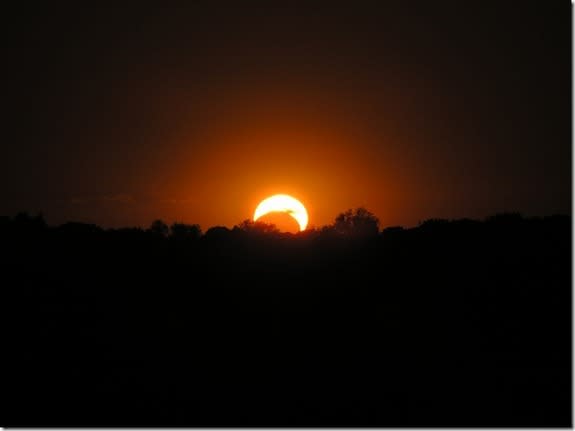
(285, 204)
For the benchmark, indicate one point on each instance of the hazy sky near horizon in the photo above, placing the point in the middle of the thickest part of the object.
(198, 111)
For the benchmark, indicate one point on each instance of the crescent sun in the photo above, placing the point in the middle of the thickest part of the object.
(286, 204)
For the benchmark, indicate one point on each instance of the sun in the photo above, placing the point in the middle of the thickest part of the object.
(285, 204)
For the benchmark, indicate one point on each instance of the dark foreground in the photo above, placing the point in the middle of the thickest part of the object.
(449, 324)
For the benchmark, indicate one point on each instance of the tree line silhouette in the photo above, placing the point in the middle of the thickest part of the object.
(449, 323)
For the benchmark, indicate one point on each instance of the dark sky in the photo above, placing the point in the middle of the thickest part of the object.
(196, 112)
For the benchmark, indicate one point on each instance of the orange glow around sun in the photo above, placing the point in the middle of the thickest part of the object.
(226, 158)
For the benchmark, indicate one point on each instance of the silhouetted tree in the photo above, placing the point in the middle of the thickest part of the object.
(25, 220)
(79, 229)
(257, 227)
(127, 233)
(434, 225)
(510, 218)
(183, 231)
(217, 233)
(392, 232)
(159, 228)
(463, 289)
(357, 223)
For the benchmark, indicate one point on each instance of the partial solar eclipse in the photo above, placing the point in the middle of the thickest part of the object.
(285, 204)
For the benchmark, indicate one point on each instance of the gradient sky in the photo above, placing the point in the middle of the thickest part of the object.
(195, 113)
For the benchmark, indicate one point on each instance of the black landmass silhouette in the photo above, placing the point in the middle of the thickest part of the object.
(451, 323)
